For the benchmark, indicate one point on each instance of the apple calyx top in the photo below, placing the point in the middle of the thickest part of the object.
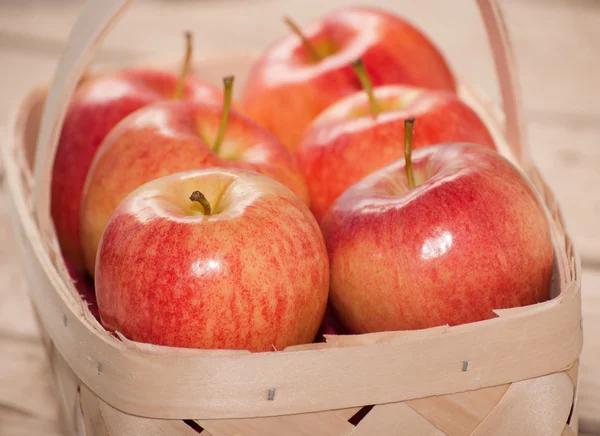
(227, 91)
(409, 124)
(309, 46)
(185, 66)
(200, 198)
(360, 70)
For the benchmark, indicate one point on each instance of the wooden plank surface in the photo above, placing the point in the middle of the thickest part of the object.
(556, 43)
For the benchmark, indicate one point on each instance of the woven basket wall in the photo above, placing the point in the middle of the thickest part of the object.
(512, 375)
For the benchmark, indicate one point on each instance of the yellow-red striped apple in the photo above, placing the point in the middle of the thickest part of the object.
(98, 104)
(169, 137)
(308, 70)
(214, 258)
(469, 237)
(351, 139)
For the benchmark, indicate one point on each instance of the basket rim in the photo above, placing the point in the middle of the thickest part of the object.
(564, 311)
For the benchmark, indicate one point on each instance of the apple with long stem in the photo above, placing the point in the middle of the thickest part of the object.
(360, 134)
(99, 103)
(445, 236)
(305, 72)
(169, 137)
(214, 258)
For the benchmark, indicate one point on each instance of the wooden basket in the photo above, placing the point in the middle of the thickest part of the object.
(512, 375)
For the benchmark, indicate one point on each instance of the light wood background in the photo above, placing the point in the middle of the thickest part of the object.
(557, 44)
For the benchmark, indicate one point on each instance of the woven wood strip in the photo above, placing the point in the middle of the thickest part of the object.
(573, 372)
(535, 407)
(395, 419)
(102, 419)
(346, 414)
(67, 386)
(460, 414)
(320, 423)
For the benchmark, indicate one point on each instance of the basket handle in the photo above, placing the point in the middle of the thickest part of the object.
(501, 48)
(94, 22)
(99, 16)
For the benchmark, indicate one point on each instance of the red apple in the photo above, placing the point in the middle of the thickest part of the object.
(349, 140)
(299, 76)
(216, 269)
(329, 326)
(98, 104)
(470, 237)
(169, 137)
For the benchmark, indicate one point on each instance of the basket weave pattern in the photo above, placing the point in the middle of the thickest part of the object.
(507, 408)
(513, 375)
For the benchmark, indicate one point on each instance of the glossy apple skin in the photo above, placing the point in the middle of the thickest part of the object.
(253, 275)
(471, 238)
(286, 90)
(169, 137)
(346, 142)
(98, 104)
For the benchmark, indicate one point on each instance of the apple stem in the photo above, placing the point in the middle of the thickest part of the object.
(360, 70)
(185, 67)
(228, 86)
(409, 124)
(309, 46)
(200, 198)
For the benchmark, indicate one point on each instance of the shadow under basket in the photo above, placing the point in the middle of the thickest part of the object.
(515, 374)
